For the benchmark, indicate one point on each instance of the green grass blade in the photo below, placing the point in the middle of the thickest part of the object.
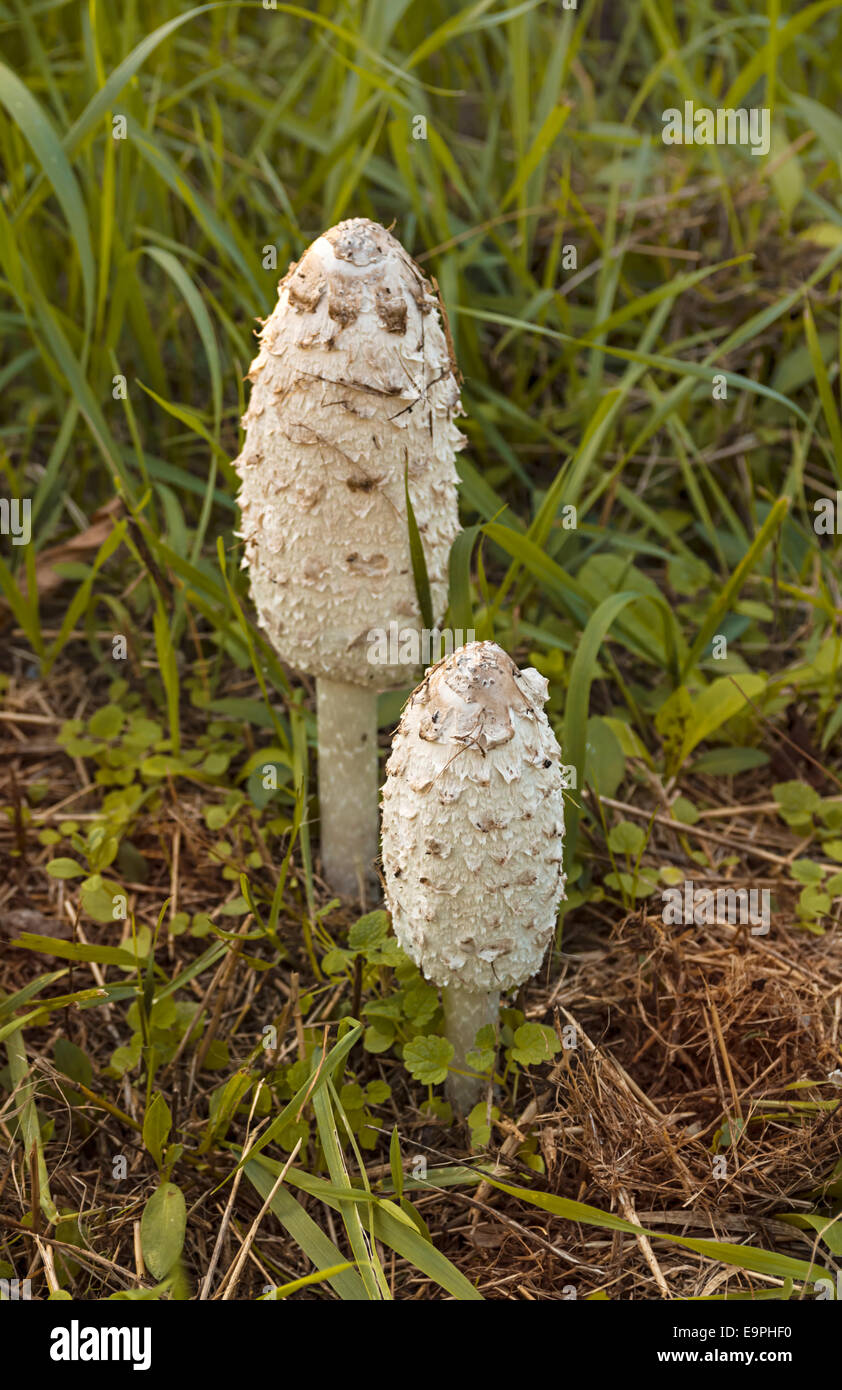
(723, 600)
(305, 1232)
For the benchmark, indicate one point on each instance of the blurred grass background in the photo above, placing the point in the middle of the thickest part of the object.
(154, 166)
(160, 172)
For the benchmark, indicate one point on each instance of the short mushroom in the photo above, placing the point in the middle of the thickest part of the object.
(473, 827)
(354, 397)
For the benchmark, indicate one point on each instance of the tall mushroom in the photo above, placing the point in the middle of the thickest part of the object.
(354, 393)
(473, 826)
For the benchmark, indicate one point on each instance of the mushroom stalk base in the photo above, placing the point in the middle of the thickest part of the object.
(465, 1012)
(348, 786)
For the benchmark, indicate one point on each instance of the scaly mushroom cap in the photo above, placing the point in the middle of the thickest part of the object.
(355, 380)
(473, 822)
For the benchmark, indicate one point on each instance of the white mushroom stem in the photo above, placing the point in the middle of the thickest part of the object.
(347, 720)
(465, 1012)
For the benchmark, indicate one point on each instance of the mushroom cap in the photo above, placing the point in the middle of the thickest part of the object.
(354, 384)
(473, 822)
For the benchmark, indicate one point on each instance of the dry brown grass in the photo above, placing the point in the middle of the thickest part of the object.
(680, 1030)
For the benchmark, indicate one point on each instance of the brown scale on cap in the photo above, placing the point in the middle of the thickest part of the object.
(366, 246)
(391, 310)
(305, 284)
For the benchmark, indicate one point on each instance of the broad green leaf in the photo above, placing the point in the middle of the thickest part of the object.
(368, 931)
(65, 868)
(427, 1058)
(106, 722)
(605, 765)
(72, 1062)
(162, 1229)
(730, 761)
(725, 697)
(534, 1043)
(157, 1123)
(626, 838)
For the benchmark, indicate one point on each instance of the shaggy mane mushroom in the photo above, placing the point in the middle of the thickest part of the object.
(354, 395)
(473, 826)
